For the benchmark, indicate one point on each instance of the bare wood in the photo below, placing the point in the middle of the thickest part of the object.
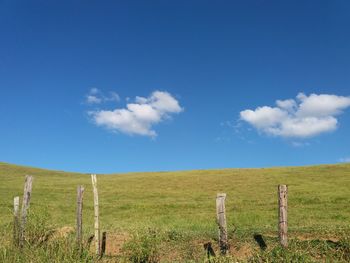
(283, 223)
(96, 213)
(80, 192)
(16, 226)
(25, 205)
(221, 221)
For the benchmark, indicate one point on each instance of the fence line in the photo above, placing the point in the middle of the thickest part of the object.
(20, 217)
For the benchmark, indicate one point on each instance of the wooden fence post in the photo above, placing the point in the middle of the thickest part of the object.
(97, 224)
(80, 192)
(283, 223)
(16, 226)
(25, 205)
(221, 221)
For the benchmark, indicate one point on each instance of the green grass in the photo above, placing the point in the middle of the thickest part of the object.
(184, 201)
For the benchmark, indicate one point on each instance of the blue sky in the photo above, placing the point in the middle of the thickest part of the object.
(174, 85)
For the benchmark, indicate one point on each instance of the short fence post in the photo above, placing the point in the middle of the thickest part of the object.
(96, 213)
(80, 192)
(283, 223)
(16, 226)
(103, 243)
(25, 205)
(221, 220)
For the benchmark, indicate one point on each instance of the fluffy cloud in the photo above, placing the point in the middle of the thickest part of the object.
(95, 96)
(139, 117)
(307, 116)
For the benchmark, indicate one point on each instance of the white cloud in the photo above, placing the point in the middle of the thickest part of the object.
(95, 96)
(139, 117)
(288, 105)
(305, 117)
(323, 105)
(263, 117)
(92, 99)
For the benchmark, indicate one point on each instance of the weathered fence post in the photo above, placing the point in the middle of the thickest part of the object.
(282, 224)
(80, 192)
(25, 205)
(16, 226)
(221, 220)
(97, 224)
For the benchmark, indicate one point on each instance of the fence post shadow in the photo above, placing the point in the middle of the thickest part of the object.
(260, 240)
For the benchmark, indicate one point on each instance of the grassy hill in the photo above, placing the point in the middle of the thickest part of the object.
(184, 202)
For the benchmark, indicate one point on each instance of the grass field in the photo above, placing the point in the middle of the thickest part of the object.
(182, 204)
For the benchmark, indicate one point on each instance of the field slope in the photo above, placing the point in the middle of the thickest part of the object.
(185, 201)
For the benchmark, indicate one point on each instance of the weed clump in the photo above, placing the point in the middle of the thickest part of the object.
(143, 246)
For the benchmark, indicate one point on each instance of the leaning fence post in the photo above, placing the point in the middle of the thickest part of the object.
(16, 220)
(282, 224)
(25, 205)
(221, 221)
(96, 225)
(80, 192)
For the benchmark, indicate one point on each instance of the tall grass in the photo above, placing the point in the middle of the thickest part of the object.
(42, 243)
(152, 245)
